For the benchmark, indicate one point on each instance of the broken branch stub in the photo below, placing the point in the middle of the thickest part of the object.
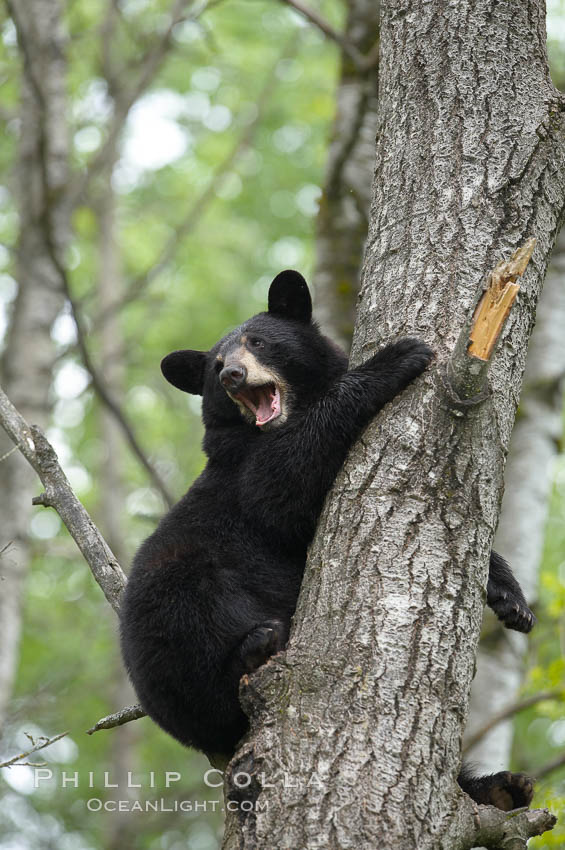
(465, 375)
(493, 308)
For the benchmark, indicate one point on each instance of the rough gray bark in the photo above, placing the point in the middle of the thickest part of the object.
(340, 234)
(27, 364)
(341, 225)
(523, 515)
(356, 730)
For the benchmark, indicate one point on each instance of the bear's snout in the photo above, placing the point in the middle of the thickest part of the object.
(233, 377)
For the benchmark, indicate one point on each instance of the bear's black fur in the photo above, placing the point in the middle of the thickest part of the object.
(212, 591)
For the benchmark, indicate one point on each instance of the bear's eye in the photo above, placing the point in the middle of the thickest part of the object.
(218, 366)
(255, 342)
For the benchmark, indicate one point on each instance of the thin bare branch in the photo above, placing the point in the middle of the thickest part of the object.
(550, 766)
(105, 396)
(194, 215)
(58, 494)
(42, 742)
(362, 63)
(148, 66)
(508, 712)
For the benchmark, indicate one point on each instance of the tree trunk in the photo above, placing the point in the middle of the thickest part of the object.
(341, 225)
(341, 230)
(356, 731)
(28, 359)
(523, 515)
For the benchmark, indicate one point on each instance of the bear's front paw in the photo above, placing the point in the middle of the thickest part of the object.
(264, 640)
(513, 612)
(406, 359)
(509, 791)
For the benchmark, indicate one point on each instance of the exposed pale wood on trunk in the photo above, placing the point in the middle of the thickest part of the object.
(496, 302)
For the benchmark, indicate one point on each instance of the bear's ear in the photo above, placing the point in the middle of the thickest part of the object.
(289, 297)
(185, 370)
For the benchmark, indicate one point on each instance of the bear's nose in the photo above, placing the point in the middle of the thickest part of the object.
(233, 377)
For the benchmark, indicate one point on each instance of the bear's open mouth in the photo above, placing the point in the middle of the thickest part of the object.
(263, 401)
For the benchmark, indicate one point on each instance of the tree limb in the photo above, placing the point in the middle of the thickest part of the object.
(498, 830)
(58, 494)
(125, 715)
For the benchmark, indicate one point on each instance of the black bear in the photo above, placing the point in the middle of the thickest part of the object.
(212, 591)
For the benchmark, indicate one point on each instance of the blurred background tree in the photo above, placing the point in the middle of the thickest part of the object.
(160, 162)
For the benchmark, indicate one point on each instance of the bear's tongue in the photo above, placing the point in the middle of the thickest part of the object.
(264, 402)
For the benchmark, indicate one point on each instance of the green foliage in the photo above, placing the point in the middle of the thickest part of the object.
(226, 148)
(231, 137)
(539, 738)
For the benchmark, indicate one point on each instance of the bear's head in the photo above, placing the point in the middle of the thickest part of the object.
(272, 366)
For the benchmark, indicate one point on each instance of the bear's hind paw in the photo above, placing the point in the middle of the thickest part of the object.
(509, 791)
(261, 642)
(513, 613)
